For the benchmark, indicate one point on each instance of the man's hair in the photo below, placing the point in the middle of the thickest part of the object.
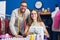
(23, 2)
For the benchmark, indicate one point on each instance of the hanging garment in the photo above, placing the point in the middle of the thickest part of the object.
(56, 21)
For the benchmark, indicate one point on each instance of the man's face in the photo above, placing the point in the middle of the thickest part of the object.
(23, 7)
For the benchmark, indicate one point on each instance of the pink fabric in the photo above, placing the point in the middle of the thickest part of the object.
(4, 36)
(57, 20)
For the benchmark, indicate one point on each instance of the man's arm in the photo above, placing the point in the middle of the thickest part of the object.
(11, 24)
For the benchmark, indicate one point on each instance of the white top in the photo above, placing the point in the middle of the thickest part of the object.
(35, 28)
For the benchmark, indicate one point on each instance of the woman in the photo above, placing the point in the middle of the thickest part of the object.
(33, 21)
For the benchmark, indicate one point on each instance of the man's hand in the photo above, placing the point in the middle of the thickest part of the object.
(27, 33)
(18, 36)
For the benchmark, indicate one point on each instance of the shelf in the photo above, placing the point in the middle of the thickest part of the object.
(47, 13)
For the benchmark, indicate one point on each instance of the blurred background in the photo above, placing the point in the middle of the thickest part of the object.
(10, 5)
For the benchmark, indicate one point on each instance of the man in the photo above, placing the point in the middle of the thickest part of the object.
(18, 18)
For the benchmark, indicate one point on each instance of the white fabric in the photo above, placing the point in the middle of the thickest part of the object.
(36, 28)
(54, 12)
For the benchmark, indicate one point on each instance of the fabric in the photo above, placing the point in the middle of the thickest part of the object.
(35, 28)
(54, 12)
(56, 22)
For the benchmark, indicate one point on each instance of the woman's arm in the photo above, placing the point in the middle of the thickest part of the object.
(45, 30)
(26, 30)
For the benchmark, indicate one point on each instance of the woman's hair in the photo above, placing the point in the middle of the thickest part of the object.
(30, 20)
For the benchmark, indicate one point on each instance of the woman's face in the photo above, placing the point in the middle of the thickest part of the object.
(34, 15)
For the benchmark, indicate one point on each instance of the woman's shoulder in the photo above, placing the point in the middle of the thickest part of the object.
(41, 23)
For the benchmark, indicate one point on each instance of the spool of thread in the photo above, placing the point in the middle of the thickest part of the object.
(31, 37)
(37, 37)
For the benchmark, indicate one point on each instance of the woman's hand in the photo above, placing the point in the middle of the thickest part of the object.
(24, 33)
(18, 36)
(27, 33)
(47, 36)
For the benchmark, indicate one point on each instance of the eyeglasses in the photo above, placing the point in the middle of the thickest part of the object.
(23, 5)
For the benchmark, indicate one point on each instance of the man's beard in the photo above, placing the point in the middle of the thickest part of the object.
(22, 10)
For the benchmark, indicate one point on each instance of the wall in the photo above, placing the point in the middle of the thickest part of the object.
(12, 4)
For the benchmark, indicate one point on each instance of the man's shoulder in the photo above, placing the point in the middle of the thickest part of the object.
(15, 10)
(27, 11)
